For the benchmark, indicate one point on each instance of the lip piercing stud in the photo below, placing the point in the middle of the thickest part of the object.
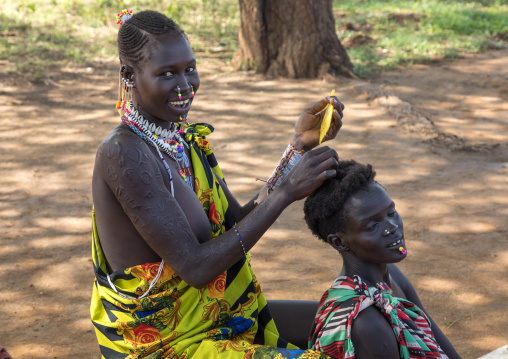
(179, 92)
(402, 250)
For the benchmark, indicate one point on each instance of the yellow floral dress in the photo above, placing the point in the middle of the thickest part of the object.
(229, 318)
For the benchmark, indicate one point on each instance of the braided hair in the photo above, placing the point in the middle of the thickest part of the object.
(325, 209)
(140, 31)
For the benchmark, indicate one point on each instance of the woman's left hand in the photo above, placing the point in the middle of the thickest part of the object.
(308, 126)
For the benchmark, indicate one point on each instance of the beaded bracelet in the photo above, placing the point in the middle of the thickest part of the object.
(240, 238)
(289, 159)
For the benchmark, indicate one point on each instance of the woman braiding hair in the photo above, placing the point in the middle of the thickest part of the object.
(170, 242)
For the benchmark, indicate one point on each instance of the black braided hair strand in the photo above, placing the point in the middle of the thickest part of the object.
(140, 31)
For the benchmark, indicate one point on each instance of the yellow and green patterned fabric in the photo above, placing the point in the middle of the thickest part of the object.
(229, 318)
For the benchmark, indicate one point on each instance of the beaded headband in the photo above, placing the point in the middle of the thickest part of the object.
(123, 16)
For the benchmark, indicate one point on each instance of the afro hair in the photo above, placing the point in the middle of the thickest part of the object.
(325, 208)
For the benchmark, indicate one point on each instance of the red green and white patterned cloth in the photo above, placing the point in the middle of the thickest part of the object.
(347, 297)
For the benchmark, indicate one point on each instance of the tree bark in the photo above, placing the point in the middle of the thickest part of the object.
(290, 38)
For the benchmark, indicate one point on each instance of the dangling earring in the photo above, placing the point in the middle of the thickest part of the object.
(179, 92)
(128, 96)
(120, 92)
(125, 93)
(182, 125)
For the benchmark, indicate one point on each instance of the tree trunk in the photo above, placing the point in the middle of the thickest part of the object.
(290, 38)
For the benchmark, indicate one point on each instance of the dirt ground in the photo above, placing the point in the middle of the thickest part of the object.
(454, 202)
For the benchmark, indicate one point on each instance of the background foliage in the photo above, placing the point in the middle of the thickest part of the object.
(41, 38)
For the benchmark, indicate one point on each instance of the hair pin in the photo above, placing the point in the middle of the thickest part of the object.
(123, 16)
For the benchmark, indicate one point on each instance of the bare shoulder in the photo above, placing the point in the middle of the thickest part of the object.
(373, 337)
(117, 143)
(126, 165)
(123, 154)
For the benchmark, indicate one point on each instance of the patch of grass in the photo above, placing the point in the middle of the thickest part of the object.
(32, 51)
(408, 32)
(40, 37)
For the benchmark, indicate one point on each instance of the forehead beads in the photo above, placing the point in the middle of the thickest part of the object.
(123, 16)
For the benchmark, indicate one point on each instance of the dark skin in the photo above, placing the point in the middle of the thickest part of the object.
(139, 220)
(370, 248)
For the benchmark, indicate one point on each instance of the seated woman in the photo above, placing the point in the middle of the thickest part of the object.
(371, 310)
(170, 242)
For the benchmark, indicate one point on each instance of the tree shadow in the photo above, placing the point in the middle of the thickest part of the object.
(453, 205)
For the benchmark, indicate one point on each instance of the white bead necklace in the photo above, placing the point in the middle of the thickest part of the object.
(150, 126)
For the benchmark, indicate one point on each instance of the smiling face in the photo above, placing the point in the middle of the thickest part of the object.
(374, 231)
(171, 64)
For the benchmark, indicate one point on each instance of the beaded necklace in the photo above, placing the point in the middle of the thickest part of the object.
(171, 144)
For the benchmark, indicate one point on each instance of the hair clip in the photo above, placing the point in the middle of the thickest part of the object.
(123, 16)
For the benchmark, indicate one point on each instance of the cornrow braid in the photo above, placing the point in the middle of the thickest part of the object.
(325, 209)
(139, 31)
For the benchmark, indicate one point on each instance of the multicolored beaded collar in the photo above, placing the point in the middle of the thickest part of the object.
(172, 145)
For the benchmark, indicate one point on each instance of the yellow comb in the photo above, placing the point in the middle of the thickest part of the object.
(327, 120)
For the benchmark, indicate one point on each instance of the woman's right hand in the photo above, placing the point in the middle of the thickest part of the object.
(315, 167)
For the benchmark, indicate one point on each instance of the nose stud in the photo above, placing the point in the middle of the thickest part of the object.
(179, 92)
(394, 229)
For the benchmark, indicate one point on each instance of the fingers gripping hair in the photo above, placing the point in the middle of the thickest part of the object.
(325, 209)
(139, 31)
